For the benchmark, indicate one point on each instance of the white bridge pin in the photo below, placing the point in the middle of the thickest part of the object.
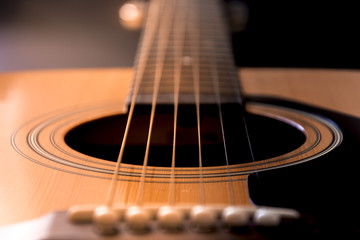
(202, 218)
(263, 217)
(170, 218)
(105, 220)
(234, 216)
(270, 216)
(137, 218)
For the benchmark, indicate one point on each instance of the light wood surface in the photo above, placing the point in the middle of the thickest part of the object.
(337, 90)
(29, 190)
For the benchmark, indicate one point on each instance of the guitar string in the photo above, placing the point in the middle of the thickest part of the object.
(163, 38)
(147, 37)
(215, 79)
(216, 84)
(195, 46)
(239, 97)
(147, 40)
(238, 92)
(179, 35)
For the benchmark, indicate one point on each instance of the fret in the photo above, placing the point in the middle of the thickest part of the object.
(220, 52)
(203, 66)
(204, 73)
(223, 72)
(222, 58)
(217, 38)
(204, 57)
(187, 88)
(190, 89)
(186, 81)
(214, 47)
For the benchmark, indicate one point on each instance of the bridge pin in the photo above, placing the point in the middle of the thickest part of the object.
(202, 218)
(268, 218)
(236, 216)
(137, 219)
(170, 218)
(105, 220)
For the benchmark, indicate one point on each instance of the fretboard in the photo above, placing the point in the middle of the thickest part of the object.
(185, 49)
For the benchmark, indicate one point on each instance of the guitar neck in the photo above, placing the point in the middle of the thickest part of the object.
(186, 50)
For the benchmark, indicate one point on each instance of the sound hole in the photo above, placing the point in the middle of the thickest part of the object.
(101, 138)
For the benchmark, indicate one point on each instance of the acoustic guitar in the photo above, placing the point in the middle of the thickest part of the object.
(184, 146)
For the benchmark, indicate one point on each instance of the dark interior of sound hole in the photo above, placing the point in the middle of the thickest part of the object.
(101, 138)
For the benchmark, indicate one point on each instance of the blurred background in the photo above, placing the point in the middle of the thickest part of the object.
(44, 34)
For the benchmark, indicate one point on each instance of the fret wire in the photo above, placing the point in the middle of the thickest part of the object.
(168, 81)
(221, 46)
(203, 90)
(203, 59)
(203, 71)
(186, 80)
(217, 38)
(201, 65)
(223, 50)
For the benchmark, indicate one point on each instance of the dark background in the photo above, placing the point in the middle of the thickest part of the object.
(40, 34)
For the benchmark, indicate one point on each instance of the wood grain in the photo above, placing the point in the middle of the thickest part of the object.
(29, 189)
(337, 90)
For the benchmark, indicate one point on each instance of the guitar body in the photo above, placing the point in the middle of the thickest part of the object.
(74, 90)
(39, 108)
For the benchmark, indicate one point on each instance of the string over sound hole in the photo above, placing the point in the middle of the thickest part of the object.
(101, 138)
